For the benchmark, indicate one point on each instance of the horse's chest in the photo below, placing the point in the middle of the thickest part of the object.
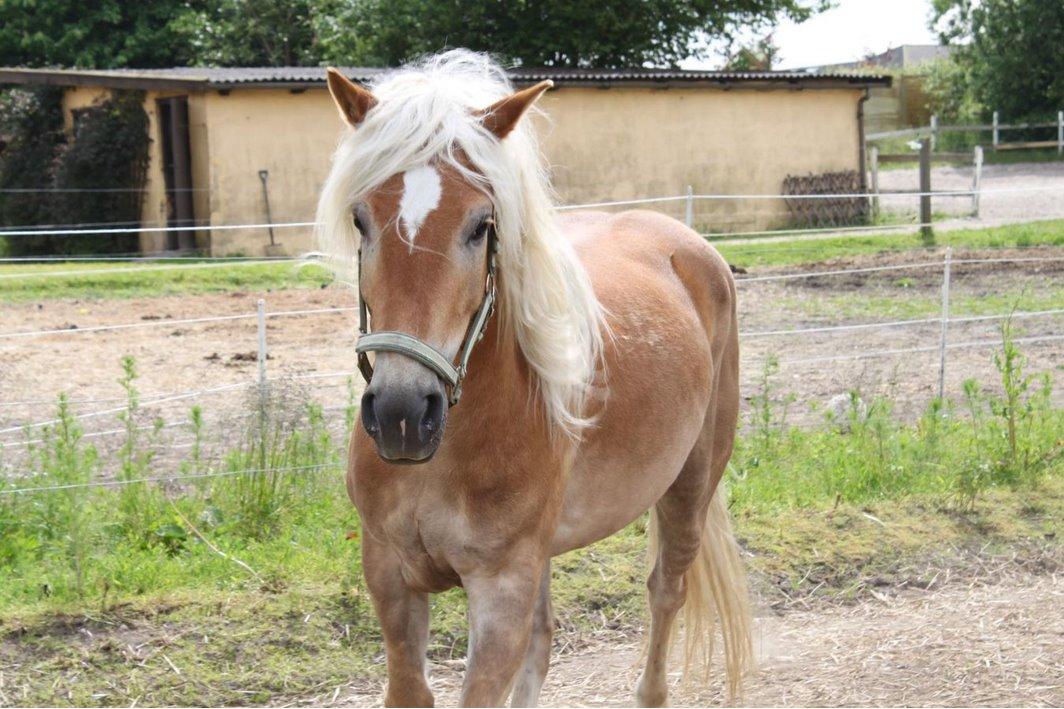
(429, 539)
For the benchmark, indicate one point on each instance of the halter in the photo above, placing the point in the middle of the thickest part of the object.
(422, 352)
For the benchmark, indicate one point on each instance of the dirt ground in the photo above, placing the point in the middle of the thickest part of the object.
(961, 645)
(182, 357)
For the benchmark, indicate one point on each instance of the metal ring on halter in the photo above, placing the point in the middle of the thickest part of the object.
(422, 352)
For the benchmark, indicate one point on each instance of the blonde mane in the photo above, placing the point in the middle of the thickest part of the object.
(424, 114)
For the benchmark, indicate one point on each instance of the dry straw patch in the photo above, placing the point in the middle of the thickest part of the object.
(964, 643)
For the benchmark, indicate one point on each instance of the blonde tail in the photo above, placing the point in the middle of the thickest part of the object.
(716, 591)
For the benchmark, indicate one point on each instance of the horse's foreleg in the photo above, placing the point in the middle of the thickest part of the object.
(500, 623)
(404, 619)
(537, 657)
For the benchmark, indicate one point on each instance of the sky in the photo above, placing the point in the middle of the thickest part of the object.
(847, 32)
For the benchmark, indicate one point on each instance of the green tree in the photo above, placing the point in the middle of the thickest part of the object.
(593, 33)
(1008, 53)
(95, 35)
(761, 55)
(256, 32)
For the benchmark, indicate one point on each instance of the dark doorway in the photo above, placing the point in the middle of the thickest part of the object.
(177, 172)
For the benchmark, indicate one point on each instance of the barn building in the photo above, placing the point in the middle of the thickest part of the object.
(233, 146)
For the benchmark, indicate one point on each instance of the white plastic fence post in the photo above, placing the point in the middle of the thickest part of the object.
(996, 130)
(874, 163)
(689, 213)
(934, 132)
(1060, 132)
(262, 343)
(945, 323)
(977, 179)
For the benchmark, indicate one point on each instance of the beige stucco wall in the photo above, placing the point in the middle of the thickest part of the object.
(632, 143)
(289, 134)
(602, 144)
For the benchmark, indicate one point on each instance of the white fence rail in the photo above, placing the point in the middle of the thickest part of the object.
(688, 198)
(995, 128)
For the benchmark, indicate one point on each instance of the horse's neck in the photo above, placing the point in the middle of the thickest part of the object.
(499, 398)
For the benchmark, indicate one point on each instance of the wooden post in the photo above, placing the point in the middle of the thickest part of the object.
(689, 211)
(997, 133)
(945, 323)
(925, 192)
(262, 344)
(934, 133)
(1060, 132)
(977, 179)
(874, 165)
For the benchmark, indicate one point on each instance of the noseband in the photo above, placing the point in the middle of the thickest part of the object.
(422, 352)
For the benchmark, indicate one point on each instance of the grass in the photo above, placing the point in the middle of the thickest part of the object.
(98, 281)
(126, 280)
(284, 645)
(902, 301)
(776, 253)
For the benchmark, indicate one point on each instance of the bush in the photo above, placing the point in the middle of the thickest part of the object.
(109, 152)
(31, 127)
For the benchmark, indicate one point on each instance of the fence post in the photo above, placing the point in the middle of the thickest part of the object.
(873, 161)
(925, 191)
(1060, 132)
(689, 212)
(977, 179)
(262, 345)
(996, 130)
(934, 132)
(945, 323)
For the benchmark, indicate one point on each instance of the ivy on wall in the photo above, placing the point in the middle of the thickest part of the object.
(94, 177)
(31, 135)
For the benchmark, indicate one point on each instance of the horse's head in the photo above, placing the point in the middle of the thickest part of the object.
(427, 242)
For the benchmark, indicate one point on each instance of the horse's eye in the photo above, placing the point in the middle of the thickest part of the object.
(358, 223)
(481, 231)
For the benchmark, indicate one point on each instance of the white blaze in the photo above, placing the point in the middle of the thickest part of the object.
(421, 194)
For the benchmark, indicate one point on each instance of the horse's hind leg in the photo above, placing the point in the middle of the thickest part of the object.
(679, 516)
(537, 657)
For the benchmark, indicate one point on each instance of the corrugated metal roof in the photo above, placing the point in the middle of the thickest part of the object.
(305, 77)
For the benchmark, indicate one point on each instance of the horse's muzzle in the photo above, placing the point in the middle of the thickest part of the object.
(406, 422)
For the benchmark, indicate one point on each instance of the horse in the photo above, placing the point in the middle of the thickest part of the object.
(535, 382)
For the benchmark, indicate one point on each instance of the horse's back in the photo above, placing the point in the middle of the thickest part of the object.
(670, 304)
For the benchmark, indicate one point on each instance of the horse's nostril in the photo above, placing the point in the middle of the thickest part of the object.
(433, 415)
(369, 415)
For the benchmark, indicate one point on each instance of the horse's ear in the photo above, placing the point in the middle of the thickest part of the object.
(353, 101)
(501, 116)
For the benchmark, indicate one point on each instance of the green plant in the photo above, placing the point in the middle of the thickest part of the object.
(766, 419)
(195, 465)
(1023, 395)
(351, 409)
(273, 466)
(138, 507)
(109, 150)
(61, 516)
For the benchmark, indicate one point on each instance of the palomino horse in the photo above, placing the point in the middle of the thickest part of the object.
(596, 361)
